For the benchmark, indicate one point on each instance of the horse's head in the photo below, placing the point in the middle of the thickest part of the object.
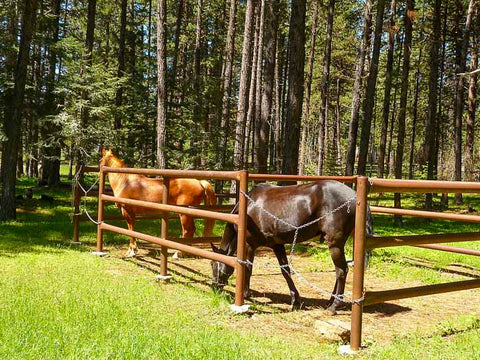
(221, 272)
(109, 159)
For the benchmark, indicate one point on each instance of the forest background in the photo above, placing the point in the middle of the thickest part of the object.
(329, 87)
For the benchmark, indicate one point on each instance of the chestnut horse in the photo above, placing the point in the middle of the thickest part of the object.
(139, 187)
(330, 202)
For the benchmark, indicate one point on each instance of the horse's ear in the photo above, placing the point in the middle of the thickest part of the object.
(102, 150)
(214, 248)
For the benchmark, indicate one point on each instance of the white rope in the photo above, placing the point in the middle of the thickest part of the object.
(290, 259)
(83, 209)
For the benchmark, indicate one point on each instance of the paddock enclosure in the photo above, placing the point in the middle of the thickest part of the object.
(360, 296)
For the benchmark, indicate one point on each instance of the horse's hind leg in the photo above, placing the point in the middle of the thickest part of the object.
(283, 261)
(341, 269)
(188, 226)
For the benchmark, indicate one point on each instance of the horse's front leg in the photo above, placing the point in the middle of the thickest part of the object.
(130, 218)
(248, 271)
(281, 255)
(341, 270)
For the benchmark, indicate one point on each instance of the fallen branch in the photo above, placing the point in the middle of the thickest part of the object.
(469, 73)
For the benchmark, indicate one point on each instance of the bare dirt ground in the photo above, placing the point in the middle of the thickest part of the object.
(270, 297)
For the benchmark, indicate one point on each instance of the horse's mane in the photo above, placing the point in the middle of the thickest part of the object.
(116, 162)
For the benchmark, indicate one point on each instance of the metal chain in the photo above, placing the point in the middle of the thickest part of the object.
(290, 259)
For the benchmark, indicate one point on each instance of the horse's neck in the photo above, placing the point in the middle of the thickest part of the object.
(229, 240)
(117, 180)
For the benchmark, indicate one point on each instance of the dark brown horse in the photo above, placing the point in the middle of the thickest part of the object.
(139, 187)
(332, 202)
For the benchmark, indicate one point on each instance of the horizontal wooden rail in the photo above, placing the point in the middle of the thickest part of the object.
(425, 214)
(192, 174)
(374, 242)
(196, 240)
(279, 177)
(423, 186)
(452, 249)
(137, 217)
(229, 260)
(90, 169)
(375, 297)
(232, 218)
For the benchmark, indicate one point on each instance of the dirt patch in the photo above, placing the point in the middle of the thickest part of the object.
(270, 311)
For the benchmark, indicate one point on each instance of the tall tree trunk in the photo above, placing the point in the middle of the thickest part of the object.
(121, 64)
(432, 116)
(296, 44)
(338, 131)
(13, 115)
(308, 88)
(227, 83)
(439, 129)
(51, 150)
(459, 99)
(369, 101)
(415, 116)
(178, 28)
(357, 90)
(408, 21)
(472, 93)
(243, 91)
(258, 90)
(161, 94)
(388, 89)
(323, 118)
(265, 119)
(198, 106)
(86, 65)
(253, 83)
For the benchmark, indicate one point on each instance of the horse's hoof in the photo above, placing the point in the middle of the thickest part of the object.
(297, 305)
(330, 311)
(130, 253)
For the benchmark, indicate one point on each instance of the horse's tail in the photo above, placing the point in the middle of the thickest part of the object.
(210, 199)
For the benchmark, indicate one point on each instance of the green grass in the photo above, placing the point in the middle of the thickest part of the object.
(57, 301)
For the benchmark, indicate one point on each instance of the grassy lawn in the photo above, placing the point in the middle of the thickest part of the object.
(57, 301)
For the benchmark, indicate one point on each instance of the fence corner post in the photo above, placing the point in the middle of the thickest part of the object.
(359, 262)
(101, 189)
(241, 237)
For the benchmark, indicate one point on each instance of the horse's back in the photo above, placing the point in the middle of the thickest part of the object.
(300, 204)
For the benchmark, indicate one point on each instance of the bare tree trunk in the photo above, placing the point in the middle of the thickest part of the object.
(178, 28)
(198, 106)
(408, 21)
(243, 91)
(265, 119)
(121, 64)
(337, 129)
(253, 85)
(369, 101)
(308, 87)
(51, 151)
(472, 93)
(296, 44)
(227, 83)
(13, 115)
(432, 116)
(459, 100)
(357, 90)
(161, 94)
(388, 89)
(415, 116)
(323, 118)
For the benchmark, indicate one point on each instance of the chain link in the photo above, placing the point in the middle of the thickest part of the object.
(290, 259)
